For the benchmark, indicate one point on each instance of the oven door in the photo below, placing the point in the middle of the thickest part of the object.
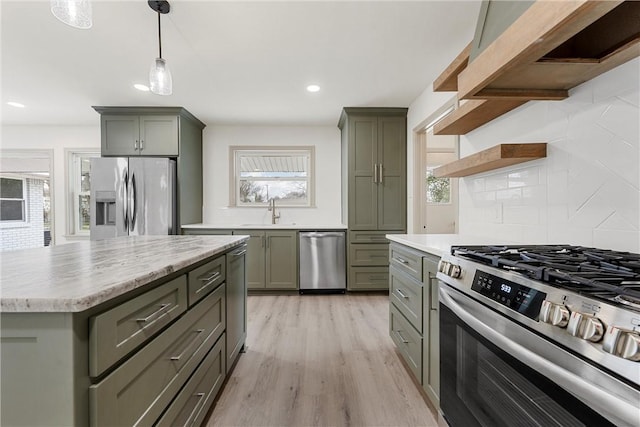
(495, 372)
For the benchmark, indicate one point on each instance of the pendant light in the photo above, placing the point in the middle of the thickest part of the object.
(159, 76)
(76, 13)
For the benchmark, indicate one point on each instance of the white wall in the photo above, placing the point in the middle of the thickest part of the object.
(56, 138)
(587, 190)
(215, 153)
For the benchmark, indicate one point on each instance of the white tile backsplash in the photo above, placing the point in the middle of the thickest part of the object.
(587, 190)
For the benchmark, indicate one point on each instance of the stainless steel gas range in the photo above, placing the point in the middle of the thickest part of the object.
(539, 336)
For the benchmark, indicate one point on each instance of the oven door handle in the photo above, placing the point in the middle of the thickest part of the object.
(600, 400)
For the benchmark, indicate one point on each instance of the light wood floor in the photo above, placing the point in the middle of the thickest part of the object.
(320, 360)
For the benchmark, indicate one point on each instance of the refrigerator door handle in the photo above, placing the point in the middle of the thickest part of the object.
(125, 205)
(133, 198)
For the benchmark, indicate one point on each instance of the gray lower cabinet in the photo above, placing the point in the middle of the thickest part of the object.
(413, 314)
(236, 304)
(272, 259)
(155, 355)
(368, 261)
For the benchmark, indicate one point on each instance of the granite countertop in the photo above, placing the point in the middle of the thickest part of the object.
(77, 276)
(291, 226)
(440, 244)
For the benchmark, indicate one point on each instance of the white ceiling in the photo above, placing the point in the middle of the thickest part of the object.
(233, 62)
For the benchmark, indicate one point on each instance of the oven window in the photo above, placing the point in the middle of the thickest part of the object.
(481, 385)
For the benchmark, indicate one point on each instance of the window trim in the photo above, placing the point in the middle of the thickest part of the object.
(73, 157)
(24, 199)
(234, 184)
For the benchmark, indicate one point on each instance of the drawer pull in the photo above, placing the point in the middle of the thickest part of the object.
(178, 357)
(196, 408)
(404, 341)
(153, 316)
(213, 276)
(401, 260)
(399, 292)
(239, 253)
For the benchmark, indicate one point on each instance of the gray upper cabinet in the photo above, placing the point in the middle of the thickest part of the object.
(127, 135)
(374, 140)
(160, 132)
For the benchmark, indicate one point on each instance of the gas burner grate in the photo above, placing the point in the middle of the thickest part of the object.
(579, 268)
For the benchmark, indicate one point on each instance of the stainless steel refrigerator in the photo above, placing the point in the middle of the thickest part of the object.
(133, 196)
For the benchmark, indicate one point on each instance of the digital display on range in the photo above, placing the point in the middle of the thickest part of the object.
(517, 297)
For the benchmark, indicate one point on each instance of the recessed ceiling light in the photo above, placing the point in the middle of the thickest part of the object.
(15, 104)
(143, 88)
(313, 88)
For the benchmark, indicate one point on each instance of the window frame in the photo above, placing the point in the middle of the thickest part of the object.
(24, 200)
(74, 189)
(235, 154)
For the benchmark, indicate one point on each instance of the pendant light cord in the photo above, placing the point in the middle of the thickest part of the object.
(159, 36)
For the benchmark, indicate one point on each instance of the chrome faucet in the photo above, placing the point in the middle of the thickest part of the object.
(272, 209)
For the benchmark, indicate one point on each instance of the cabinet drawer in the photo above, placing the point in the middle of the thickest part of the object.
(368, 278)
(192, 404)
(407, 294)
(140, 390)
(118, 331)
(406, 259)
(368, 237)
(407, 339)
(369, 254)
(205, 278)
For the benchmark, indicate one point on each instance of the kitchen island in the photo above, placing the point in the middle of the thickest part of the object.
(120, 331)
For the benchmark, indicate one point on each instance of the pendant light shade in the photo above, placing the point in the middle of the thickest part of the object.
(160, 78)
(76, 13)
(160, 81)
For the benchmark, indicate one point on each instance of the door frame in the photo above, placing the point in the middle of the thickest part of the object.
(419, 162)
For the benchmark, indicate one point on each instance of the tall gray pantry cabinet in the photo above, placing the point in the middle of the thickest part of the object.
(159, 132)
(374, 201)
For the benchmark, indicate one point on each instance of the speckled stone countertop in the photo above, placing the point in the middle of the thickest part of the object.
(77, 276)
(440, 244)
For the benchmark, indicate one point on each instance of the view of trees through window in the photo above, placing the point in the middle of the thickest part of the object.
(438, 189)
(283, 175)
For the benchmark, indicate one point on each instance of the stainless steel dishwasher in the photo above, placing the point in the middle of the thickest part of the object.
(322, 261)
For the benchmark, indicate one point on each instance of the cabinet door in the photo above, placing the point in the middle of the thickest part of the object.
(120, 135)
(431, 330)
(255, 258)
(282, 260)
(236, 307)
(391, 185)
(159, 135)
(363, 136)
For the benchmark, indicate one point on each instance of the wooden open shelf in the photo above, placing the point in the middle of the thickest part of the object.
(472, 114)
(493, 158)
(447, 81)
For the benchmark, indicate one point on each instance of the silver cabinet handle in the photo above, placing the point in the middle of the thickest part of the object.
(153, 316)
(141, 144)
(399, 292)
(135, 145)
(196, 408)
(240, 253)
(404, 341)
(375, 173)
(380, 174)
(401, 260)
(195, 340)
(213, 276)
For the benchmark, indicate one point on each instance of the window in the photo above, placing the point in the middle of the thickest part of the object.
(283, 174)
(438, 189)
(79, 179)
(12, 199)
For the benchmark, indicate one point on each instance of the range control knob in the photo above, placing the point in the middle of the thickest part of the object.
(449, 269)
(584, 326)
(556, 314)
(622, 343)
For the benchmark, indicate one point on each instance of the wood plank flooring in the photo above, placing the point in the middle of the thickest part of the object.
(320, 360)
